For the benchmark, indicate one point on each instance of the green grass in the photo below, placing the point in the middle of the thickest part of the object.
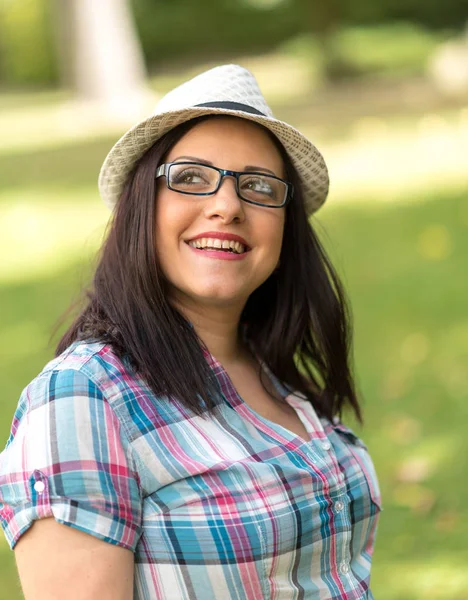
(404, 265)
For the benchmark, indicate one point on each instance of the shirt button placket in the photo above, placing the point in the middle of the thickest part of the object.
(343, 549)
(339, 506)
(39, 487)
(344, 568)
(327, 447)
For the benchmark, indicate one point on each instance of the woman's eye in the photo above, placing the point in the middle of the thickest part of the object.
(259, 185)
(188, 177)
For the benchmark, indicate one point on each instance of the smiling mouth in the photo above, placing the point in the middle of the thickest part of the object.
(218, 245)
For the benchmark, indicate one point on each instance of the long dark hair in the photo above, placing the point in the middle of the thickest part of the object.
(297, 322)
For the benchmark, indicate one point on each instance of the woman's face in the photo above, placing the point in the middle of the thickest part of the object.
(207, 277)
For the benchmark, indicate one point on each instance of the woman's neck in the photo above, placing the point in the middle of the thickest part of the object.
(218, 328)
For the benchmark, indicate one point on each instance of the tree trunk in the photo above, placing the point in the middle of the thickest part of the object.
(323, 19)
(100, 53)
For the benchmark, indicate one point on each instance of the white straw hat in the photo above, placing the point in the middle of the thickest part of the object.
(229, 90)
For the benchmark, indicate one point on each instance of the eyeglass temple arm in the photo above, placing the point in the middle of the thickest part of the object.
(161, 170)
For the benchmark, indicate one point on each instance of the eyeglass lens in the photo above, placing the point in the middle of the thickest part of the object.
(200, 179)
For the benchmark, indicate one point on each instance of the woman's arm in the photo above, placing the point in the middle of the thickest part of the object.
(56, 561)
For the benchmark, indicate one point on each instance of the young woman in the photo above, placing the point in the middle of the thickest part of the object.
(188, 433)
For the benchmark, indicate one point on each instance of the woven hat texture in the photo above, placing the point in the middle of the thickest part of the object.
(230, 90)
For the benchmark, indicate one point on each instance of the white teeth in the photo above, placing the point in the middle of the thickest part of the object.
(216, 243)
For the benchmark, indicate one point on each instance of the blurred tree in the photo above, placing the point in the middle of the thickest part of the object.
(323, 19)
(189, 32)
(99, 52)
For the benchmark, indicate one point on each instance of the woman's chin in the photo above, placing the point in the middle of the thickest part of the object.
(222, 300)
(219, 296)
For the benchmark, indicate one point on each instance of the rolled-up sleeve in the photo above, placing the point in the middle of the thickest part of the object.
(67, 457)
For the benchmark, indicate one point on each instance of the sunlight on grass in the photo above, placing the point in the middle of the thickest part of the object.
(52, 125)
(440, 578)
(384, 163)
(44, 230)
(415, 348)
(434, 243)
(449, 362)
(57, 119)
(15, 100)
(431, 454)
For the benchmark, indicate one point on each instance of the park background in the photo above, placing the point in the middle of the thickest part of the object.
(382, 89)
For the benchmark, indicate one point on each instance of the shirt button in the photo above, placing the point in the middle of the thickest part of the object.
(39, 486)
(344, 568)
(326, 446)
(339, 506)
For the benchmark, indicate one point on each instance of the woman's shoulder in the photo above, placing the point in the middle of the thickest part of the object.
(85, 362)
(86, 383)
(69, 454)
(94, 359)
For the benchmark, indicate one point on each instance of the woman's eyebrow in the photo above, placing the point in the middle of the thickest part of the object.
(194, 158)
(207, 162)
(255, 168)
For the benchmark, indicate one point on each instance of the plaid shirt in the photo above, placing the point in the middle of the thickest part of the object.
(230, 506)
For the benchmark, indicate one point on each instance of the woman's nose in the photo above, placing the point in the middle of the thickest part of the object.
(225, 203)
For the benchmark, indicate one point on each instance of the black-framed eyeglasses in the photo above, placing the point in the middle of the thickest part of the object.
(203, 180)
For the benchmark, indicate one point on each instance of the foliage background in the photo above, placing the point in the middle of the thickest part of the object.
(173, 30)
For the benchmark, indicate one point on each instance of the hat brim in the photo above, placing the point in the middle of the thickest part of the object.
(120, 161)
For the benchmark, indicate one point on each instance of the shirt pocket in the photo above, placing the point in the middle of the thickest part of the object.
(366, 469)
